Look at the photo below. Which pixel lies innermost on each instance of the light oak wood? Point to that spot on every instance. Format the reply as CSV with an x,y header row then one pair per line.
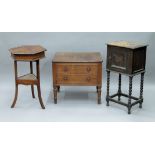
x,y
31,54
27,50
77,57
79,69
28,77
28,53
75,79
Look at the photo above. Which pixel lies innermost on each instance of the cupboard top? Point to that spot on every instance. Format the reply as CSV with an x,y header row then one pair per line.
x,y
127,44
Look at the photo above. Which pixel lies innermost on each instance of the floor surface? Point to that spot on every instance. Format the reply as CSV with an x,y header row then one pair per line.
x,y
75,104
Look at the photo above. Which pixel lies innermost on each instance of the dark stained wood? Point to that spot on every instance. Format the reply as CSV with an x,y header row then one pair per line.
x,y
139,59
31,54
79,69
126,58
127,44
58,87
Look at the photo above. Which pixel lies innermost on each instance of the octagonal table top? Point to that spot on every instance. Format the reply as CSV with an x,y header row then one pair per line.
x,y
27,50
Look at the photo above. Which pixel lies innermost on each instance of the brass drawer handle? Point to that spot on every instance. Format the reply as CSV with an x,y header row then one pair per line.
x,y
88,69
65,69
65,78
88,79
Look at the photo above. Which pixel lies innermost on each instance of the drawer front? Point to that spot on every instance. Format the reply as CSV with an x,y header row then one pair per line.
x,y
77,69
65,79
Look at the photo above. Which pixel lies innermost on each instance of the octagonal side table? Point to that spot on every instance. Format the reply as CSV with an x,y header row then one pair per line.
x,y
32,53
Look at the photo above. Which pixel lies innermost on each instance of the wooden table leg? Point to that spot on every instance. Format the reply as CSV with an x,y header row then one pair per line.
x,y
108,85
55,89
99,94
38,84
15,98
119,87
141,89
16,85
32,86
58,87
130,94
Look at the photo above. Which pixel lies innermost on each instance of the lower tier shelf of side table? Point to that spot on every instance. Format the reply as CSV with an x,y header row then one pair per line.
x,y
27,79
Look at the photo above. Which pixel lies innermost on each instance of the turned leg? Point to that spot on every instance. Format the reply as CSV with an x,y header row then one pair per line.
x,y
119,87
16,85
97,89
31,71
58,87
38,84
141,89
130,94
108,85
99,94
55,89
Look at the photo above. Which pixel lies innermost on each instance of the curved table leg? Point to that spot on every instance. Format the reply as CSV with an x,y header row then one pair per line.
x,y
38,84
15,98
32,86
16,85
39,96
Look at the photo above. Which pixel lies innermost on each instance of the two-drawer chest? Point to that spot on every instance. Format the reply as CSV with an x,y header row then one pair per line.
x,y
77,69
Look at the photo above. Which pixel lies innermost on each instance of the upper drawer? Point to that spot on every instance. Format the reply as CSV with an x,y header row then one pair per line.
x,y
77,68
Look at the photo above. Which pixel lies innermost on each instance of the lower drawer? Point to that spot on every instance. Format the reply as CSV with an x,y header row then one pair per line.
x,y
63,79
